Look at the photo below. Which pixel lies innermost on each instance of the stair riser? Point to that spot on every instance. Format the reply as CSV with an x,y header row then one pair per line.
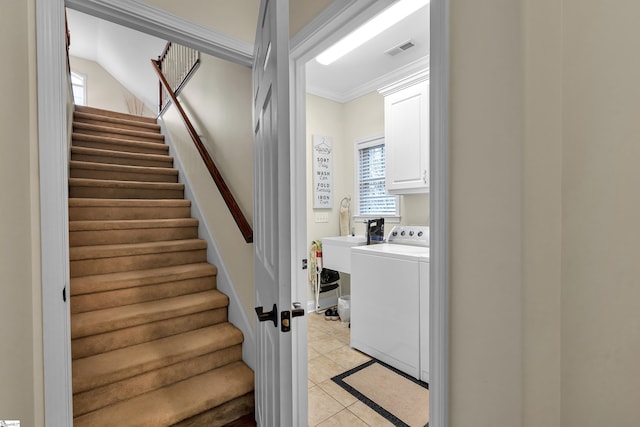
x,y
217,340
111,237
84,329
141,279
94,399
134,295
142,127
223,414
159,149
178,402
135,262
123,176
125,161
100,343
106,213
129,136
123,193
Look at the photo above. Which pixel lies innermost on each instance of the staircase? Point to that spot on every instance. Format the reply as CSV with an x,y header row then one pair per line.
x,y
151,343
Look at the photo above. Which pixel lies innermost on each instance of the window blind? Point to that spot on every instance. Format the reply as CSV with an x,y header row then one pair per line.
x,y
372,188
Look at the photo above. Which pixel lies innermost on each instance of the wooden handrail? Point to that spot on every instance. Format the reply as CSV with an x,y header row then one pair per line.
x,y
237,214
68,39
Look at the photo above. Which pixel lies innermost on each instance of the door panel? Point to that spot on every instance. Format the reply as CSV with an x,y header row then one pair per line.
x,y
272,213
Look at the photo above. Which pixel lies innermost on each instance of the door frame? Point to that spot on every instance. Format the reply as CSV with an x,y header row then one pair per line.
x,y
332,24
54,224
53,137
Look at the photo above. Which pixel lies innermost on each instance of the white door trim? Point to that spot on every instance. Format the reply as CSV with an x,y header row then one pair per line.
x,y
52,144
162,24
319,34
439,216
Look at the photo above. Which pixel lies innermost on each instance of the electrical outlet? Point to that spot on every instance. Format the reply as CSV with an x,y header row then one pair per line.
x,y
321,216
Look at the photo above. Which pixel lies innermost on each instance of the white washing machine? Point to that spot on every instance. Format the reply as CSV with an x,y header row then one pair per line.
x,y
390,300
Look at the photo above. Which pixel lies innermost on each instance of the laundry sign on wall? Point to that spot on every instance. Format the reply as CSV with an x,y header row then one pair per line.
x,y
322,169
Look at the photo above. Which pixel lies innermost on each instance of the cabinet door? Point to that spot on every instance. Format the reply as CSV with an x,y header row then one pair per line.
x,y
406,120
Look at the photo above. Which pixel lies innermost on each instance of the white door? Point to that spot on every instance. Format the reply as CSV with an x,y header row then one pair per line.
x,y
272,215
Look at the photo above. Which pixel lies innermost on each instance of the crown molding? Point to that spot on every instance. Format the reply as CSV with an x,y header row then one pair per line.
x,y
419,67
409,79
159,23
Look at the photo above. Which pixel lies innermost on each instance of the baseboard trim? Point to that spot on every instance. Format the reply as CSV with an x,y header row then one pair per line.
x,y
325,302
237,315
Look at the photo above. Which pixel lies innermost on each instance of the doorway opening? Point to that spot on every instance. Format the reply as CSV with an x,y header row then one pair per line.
x,y
318,111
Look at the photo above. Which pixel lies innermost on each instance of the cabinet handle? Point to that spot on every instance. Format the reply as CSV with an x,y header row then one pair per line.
x,y
424,176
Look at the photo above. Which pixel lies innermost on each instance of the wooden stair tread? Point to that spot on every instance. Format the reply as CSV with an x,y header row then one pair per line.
x,y
122,280
171,404
129,249
109,113
110,319
77,164
80,128
153,127
105,368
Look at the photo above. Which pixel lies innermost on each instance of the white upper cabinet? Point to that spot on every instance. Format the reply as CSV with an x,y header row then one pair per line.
x,y
406,128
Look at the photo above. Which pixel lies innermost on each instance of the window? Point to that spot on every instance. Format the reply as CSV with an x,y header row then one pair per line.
x,y
372,200
79,86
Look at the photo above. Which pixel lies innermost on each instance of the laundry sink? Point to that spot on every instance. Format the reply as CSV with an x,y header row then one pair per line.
x,y
336,251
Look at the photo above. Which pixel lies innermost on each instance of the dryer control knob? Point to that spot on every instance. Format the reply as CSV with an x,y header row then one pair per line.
x,y
403,233
420,233
411,233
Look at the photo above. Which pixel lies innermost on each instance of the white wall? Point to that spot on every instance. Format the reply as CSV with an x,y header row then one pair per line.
x,y
21,357
218,102
326,118
486,225
364,117
544,320
346,123
544,230
542,213
104,91
237,18
600,297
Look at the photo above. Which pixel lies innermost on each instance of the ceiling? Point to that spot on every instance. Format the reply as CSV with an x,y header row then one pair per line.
x,y
125,54
368,67
122,52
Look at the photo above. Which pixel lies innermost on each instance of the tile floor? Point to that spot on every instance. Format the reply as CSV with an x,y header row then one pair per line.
x,y
330,355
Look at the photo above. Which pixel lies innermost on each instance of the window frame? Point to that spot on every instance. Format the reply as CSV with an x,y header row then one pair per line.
x,y
83,77
360,144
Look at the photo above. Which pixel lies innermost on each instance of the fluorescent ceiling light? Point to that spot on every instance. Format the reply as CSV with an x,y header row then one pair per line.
x,y
390,16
